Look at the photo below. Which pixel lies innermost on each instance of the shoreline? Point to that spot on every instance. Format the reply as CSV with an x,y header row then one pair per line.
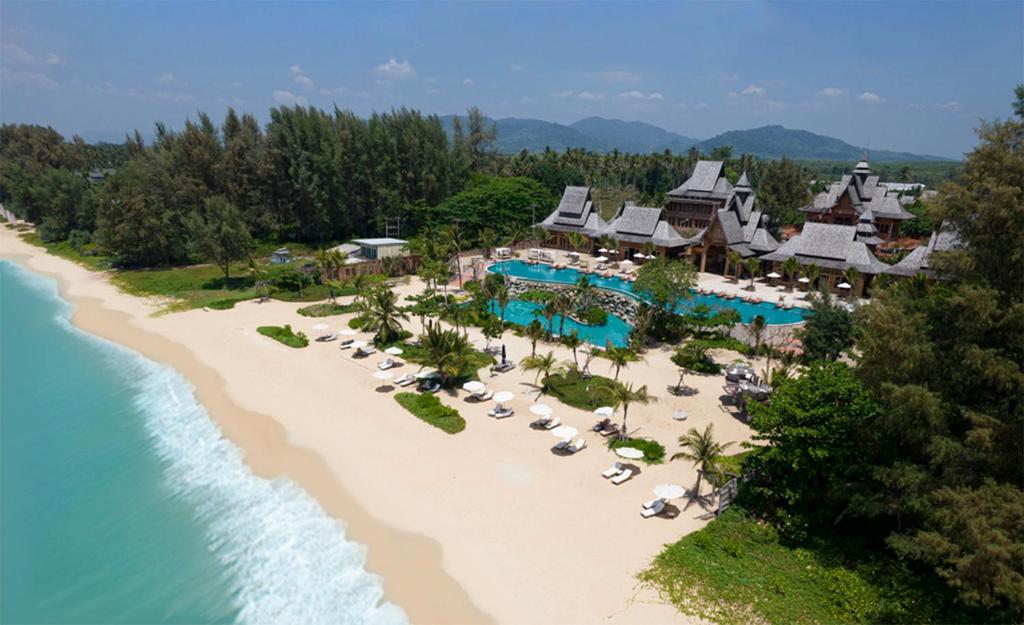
x,y
408,564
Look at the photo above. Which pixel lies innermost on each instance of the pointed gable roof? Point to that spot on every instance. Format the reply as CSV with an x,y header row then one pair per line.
x,y
707,180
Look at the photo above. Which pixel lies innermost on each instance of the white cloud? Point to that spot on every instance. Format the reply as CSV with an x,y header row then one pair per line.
x,y
684,106
516,67
305,82
433,90
640,95
754,90
288,98
38,80
396,69
615,75
833,92
339,90
167,78
175,97
13,52
467,82
564,93
952,105
296,70
870,97
587,95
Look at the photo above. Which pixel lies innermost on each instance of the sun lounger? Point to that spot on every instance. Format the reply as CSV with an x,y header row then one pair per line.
x,y
365,351
347,343
602,424
485,395
405,380
652,503
577,446
611,429
386,364
612,471
503,413
508,365
327,338
432,387
654,510
552,424
560,445
622,477
542,421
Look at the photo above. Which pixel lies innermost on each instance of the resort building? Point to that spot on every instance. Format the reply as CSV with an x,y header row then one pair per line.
x,y
834,248
693,203
942,240
576,212
638,228
845,203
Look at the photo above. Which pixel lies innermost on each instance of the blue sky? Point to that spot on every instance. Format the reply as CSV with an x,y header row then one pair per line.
x,y
909,76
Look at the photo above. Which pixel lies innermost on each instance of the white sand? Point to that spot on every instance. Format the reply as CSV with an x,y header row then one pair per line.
x,y
486,525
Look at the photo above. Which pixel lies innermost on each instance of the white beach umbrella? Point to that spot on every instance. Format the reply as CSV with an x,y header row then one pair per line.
x,y
627,262
563,432
844,285
503,396
603,250
320,327
631,453
394,351
429,373
773,275
358,344
804,280
601,259
541,410
605,411
473,386
383,375
669,491
639,255
613,251
652,256
348,332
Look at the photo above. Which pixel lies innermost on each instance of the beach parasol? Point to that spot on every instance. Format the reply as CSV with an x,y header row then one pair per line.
x,y
605,411
503,396
669,491
348,332
844,285
639,255
652,256
773,275
394,351
502,353
804,280
563,432
473,386
541,410
601,259
627,262
358,344
320,327
429,373
631,453
603,250
382,375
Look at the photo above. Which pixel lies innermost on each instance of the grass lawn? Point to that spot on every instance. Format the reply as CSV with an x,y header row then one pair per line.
x,y
327,309
284,335
64,250
430,409
579,392
734,463
654,452
737,570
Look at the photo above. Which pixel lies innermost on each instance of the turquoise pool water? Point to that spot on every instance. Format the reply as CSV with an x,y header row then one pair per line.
x,y
615,330
545,273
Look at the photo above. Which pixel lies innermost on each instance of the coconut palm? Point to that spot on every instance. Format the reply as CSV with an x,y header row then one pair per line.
x,y
501,297
535,332
812,272
735,260
447,351
622,395
488,240
620,357
577,240
391,265
383,315
563,303
757,327
549,311
754,269
573,342
791,267
852,275
585,293
702,450
545,366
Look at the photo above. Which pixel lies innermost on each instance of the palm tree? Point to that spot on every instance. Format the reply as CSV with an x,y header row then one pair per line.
x,y
852,276
360,283
549,311
544,366
757,327
620,357
534,331
812,272
501,297
390,265
448,351
735,260
328,262
791,267
754,269
585,292
453,238
702,450
383,315
488,239
577,240
563,303
623,395
573,342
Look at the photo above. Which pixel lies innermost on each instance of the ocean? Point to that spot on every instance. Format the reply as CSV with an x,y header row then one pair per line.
x,y
122,502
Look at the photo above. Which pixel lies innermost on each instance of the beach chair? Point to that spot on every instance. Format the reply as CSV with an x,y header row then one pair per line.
x,y
602,424
552,424
485,395
611,429
508,365
386,364
654,510
327,338
541,421
577,446
622,477
430,388
650,504
612,471
503,413
347,343
405,380
561,445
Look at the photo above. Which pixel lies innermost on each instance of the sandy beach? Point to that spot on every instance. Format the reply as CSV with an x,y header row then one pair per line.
x,y
485,526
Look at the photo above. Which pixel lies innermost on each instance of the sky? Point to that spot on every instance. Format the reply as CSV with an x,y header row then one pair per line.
x,y
912,76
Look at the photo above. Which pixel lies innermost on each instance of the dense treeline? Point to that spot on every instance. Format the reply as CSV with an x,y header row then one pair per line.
x,y
918,446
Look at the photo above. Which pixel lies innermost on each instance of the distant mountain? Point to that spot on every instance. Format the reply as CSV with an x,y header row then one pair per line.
x,y
633,136
774,142
604,135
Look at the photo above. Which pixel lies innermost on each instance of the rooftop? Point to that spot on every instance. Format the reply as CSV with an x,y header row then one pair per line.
x,y
379,242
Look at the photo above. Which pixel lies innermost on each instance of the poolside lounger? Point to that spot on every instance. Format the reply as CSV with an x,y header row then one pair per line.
x,y
552,424
484,396
508,365
612,471
433,387
560,445
622,477
405,380
365,351
542,421
327,338
502,414
347,343
600,425
577,446
386,364
652,503
654,510
611,429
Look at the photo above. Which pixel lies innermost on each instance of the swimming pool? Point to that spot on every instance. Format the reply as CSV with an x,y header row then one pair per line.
x,y
521,312
546,273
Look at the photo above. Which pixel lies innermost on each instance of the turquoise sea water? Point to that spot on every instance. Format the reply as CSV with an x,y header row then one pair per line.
x,y
121,502
546,273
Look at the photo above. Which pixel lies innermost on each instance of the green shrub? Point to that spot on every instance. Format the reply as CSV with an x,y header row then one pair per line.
x,y
537,297
284,335
596,316
357,322
430,409
654,452
694,357
222,304
723,342
327,309
579,392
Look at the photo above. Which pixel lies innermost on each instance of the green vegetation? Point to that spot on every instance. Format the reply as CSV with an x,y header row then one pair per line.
x,y
537,297
580,392
327,309
734,463
284,335
694,358
430,409
595,316
738,570
654,452
449,352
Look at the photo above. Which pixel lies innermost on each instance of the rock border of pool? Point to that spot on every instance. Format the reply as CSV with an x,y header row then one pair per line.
x,y
629,300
